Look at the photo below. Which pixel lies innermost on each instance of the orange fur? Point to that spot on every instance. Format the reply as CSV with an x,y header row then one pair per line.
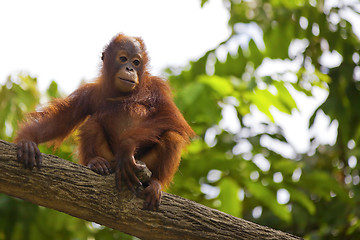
x,y
145,123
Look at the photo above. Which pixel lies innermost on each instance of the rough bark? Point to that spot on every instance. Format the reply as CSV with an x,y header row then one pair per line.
x,y
77,191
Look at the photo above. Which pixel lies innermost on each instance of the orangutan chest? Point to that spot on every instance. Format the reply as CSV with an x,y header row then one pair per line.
x,y
126,119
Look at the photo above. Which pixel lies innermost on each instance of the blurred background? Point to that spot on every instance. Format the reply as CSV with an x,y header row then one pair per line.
x,y
271,88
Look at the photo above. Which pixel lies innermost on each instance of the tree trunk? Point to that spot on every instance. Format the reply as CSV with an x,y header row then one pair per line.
x,y
78,191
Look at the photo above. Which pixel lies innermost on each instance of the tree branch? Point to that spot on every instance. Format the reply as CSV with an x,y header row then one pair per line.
x,y
78,191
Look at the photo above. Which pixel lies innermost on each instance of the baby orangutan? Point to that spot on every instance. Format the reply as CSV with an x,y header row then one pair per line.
x,y
126,114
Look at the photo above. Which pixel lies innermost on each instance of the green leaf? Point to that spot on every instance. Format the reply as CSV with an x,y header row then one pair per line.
x,y
278,39
285,96
220,85
262,103
203,2
230,202
53,91
285,166
256,55
198,100
303,199
233,66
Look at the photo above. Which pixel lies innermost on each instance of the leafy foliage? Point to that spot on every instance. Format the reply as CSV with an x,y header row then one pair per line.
x,y
242,161
310,45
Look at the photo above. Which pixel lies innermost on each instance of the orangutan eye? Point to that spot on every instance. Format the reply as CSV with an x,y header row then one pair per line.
x,y
123,59
136,62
